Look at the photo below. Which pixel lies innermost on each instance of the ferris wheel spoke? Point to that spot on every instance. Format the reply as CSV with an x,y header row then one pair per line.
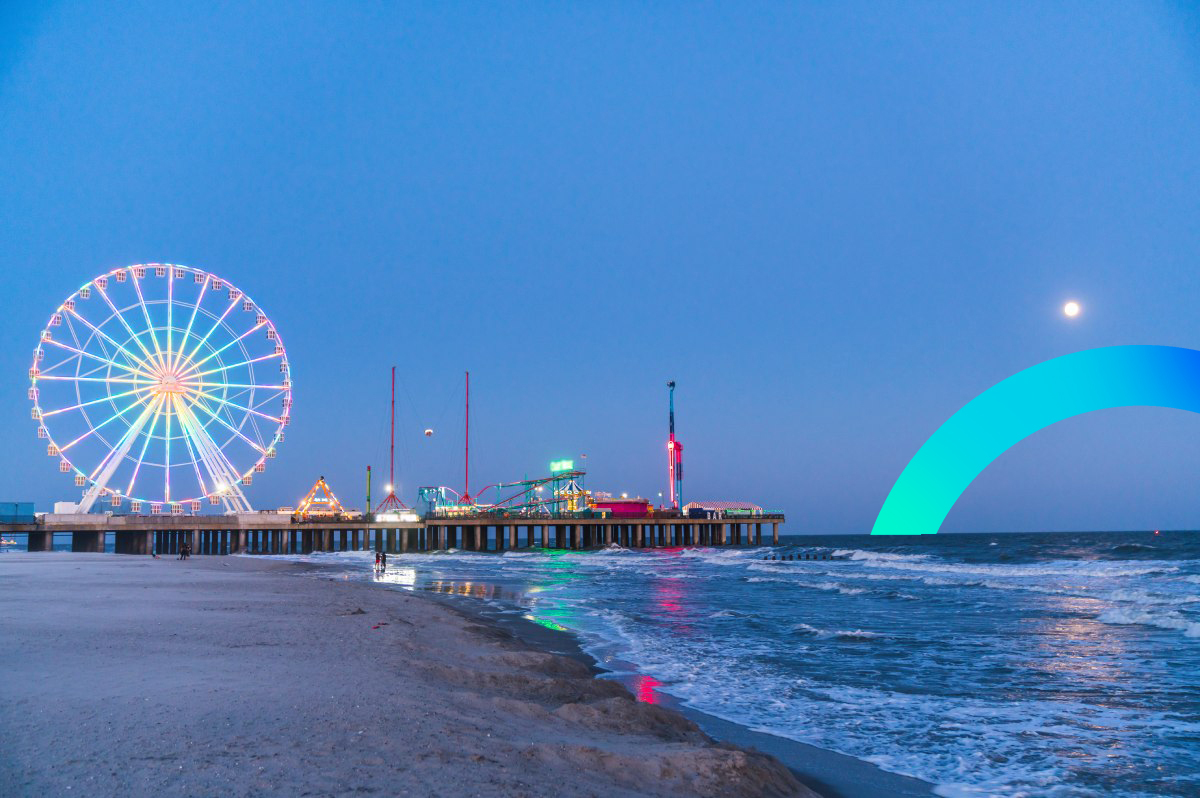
x,y
97,427
104,472
191,321
222,472
226,402
204,384
170,316
124,443
73,378
158,354
200,404
124,323
254,423
213,329
234,365
109,338
137,467
123,394
167,450
217,352
83,353
193,451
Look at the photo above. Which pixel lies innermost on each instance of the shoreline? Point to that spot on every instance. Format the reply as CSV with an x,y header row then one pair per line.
x,y
829,773
232,676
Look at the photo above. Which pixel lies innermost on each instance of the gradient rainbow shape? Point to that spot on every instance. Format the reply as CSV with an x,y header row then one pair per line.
x,y
1008,412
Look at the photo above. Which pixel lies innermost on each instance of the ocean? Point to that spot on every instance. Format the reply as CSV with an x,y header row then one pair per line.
x,y
989,665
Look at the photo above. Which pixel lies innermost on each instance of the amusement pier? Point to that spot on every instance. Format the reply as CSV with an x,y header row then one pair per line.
x,y
272,534
160,391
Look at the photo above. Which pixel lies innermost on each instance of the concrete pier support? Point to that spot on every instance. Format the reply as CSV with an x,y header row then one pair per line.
x,y
133,542
41,541
512,536
775,534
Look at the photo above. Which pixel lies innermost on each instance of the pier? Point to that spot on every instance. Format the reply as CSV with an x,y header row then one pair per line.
x,y
243,534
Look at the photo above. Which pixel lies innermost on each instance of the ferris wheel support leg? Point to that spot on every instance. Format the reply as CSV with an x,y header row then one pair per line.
x,y
114,460
216,464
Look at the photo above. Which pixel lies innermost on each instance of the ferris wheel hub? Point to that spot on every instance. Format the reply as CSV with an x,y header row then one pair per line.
x,y
168,384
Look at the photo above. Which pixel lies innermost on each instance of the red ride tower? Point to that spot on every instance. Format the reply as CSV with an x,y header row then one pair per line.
x,y
674,457
391,501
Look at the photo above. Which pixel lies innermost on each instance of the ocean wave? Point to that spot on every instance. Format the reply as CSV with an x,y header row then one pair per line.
x,y
1077,568
1135,596
879,556
1133,616
840,634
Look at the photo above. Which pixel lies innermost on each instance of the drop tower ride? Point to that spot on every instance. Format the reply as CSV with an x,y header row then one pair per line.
x,y
674,456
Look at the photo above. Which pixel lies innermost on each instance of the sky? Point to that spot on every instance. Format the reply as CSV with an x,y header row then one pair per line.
x,y
831,224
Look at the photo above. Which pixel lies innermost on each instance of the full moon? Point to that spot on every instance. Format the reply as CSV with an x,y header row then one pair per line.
x,y
1071,309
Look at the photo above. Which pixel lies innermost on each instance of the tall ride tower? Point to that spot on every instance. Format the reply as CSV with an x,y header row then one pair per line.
x,y
391,501
674,457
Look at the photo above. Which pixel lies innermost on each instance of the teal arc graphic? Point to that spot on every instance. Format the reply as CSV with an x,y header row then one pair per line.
x,y
1014,409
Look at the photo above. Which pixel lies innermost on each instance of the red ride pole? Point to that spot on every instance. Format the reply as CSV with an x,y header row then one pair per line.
x,y
392,450
467,447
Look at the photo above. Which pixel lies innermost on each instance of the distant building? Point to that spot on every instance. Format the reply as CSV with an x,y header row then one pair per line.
x,y
721,509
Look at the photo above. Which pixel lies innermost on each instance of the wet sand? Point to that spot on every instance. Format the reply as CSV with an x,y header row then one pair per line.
x,y
233,676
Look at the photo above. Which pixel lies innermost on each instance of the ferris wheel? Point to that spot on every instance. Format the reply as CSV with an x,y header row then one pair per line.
x,y
161,385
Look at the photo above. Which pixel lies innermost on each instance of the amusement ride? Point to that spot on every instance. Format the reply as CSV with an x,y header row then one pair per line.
x,y
163,386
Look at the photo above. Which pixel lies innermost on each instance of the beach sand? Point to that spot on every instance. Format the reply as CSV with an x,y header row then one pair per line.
x,y
231,676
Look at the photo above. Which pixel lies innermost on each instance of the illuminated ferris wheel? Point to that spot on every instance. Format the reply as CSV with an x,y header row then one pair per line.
x,y
163,386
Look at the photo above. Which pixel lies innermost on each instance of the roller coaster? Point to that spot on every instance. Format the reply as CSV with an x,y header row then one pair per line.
x,y
560,494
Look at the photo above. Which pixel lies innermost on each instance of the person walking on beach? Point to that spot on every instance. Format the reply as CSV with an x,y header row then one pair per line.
x,y
376,561
383,560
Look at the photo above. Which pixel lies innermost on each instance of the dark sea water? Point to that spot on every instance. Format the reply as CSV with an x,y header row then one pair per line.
x,y
1007,665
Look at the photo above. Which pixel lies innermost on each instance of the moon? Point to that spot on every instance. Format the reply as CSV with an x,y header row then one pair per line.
x,y
1071,309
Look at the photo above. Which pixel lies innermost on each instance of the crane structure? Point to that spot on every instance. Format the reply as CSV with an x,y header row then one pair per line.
x,y
674,456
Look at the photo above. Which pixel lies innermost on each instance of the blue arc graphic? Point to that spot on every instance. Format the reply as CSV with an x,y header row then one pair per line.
x,y
1012,410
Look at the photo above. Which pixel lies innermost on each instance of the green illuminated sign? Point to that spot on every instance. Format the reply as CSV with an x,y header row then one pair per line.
x,y
562,465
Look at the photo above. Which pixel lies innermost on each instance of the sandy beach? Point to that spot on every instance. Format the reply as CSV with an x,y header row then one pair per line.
x,y
232,676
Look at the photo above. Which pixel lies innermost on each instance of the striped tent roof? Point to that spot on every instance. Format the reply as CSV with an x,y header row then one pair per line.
x,y
722,506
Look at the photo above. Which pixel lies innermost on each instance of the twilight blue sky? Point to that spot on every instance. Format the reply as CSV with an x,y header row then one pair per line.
x,y
832,224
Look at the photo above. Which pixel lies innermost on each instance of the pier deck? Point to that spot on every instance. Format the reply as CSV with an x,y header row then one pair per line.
x,y
245,534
